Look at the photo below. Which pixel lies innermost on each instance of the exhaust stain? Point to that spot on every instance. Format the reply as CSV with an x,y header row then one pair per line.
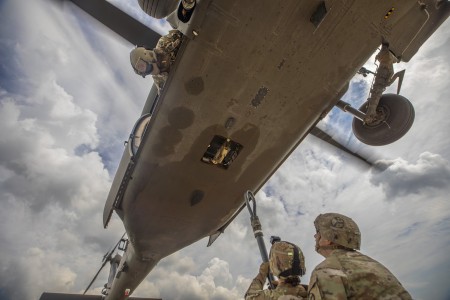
x,y
194,86
181,117
196,197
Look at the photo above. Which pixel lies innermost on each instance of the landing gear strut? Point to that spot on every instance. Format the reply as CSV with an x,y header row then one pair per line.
x,y
383,118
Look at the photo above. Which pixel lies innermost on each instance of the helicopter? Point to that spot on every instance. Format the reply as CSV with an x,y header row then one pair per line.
x,y
243,93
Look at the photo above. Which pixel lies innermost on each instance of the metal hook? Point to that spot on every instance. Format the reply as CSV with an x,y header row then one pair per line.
x,y
250,197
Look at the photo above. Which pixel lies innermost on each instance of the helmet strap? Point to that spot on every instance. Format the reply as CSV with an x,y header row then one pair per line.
x,y
295,270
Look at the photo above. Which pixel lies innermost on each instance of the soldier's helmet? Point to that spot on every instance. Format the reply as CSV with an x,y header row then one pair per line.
x,y
339,229
286,259
143,61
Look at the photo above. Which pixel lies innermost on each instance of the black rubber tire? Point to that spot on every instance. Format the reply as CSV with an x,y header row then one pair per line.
x,y
158,9
399,117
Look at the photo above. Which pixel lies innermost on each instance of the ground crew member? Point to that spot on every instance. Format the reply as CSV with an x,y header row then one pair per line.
x,y
346,273
286,261
157,61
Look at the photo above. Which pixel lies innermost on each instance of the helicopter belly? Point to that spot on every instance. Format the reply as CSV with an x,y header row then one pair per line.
x,y
241,96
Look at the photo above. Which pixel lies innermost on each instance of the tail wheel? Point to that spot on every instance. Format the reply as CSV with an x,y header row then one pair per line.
x,y
395,116
158,8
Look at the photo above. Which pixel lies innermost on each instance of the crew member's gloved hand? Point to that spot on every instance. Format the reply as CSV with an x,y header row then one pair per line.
x,y
263,272
264,269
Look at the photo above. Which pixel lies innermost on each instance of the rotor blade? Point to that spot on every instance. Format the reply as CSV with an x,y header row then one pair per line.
x,y
118,21
109,253
106,258
61,296
319,133
95,277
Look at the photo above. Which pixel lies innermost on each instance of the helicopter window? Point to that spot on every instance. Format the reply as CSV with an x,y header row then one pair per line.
x,y
137,134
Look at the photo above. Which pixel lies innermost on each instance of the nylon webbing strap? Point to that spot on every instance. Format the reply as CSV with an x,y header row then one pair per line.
x,y
295,270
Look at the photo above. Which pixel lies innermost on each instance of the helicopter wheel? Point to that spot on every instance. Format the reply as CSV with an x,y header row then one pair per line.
x,y
395,116
158,8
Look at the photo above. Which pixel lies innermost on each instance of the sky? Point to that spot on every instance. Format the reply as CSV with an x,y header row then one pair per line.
x,y
68,100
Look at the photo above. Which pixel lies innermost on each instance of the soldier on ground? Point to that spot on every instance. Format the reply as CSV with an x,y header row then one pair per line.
x,y
346,273
157,61
286,261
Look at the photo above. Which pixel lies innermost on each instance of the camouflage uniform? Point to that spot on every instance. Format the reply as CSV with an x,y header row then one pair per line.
x,y
286,263
346,273
166,53
167,48
157,62
256,291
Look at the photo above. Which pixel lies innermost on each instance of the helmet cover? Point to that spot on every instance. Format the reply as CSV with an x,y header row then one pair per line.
x,y
286,260
143,61
339,229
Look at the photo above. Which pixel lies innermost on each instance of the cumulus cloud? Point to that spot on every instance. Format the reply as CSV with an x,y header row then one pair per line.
x,y
39,151
169,281
68,99
400,178
27,271
53,180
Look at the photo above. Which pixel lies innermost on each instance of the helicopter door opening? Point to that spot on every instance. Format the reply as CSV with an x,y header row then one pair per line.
x,y
221,152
